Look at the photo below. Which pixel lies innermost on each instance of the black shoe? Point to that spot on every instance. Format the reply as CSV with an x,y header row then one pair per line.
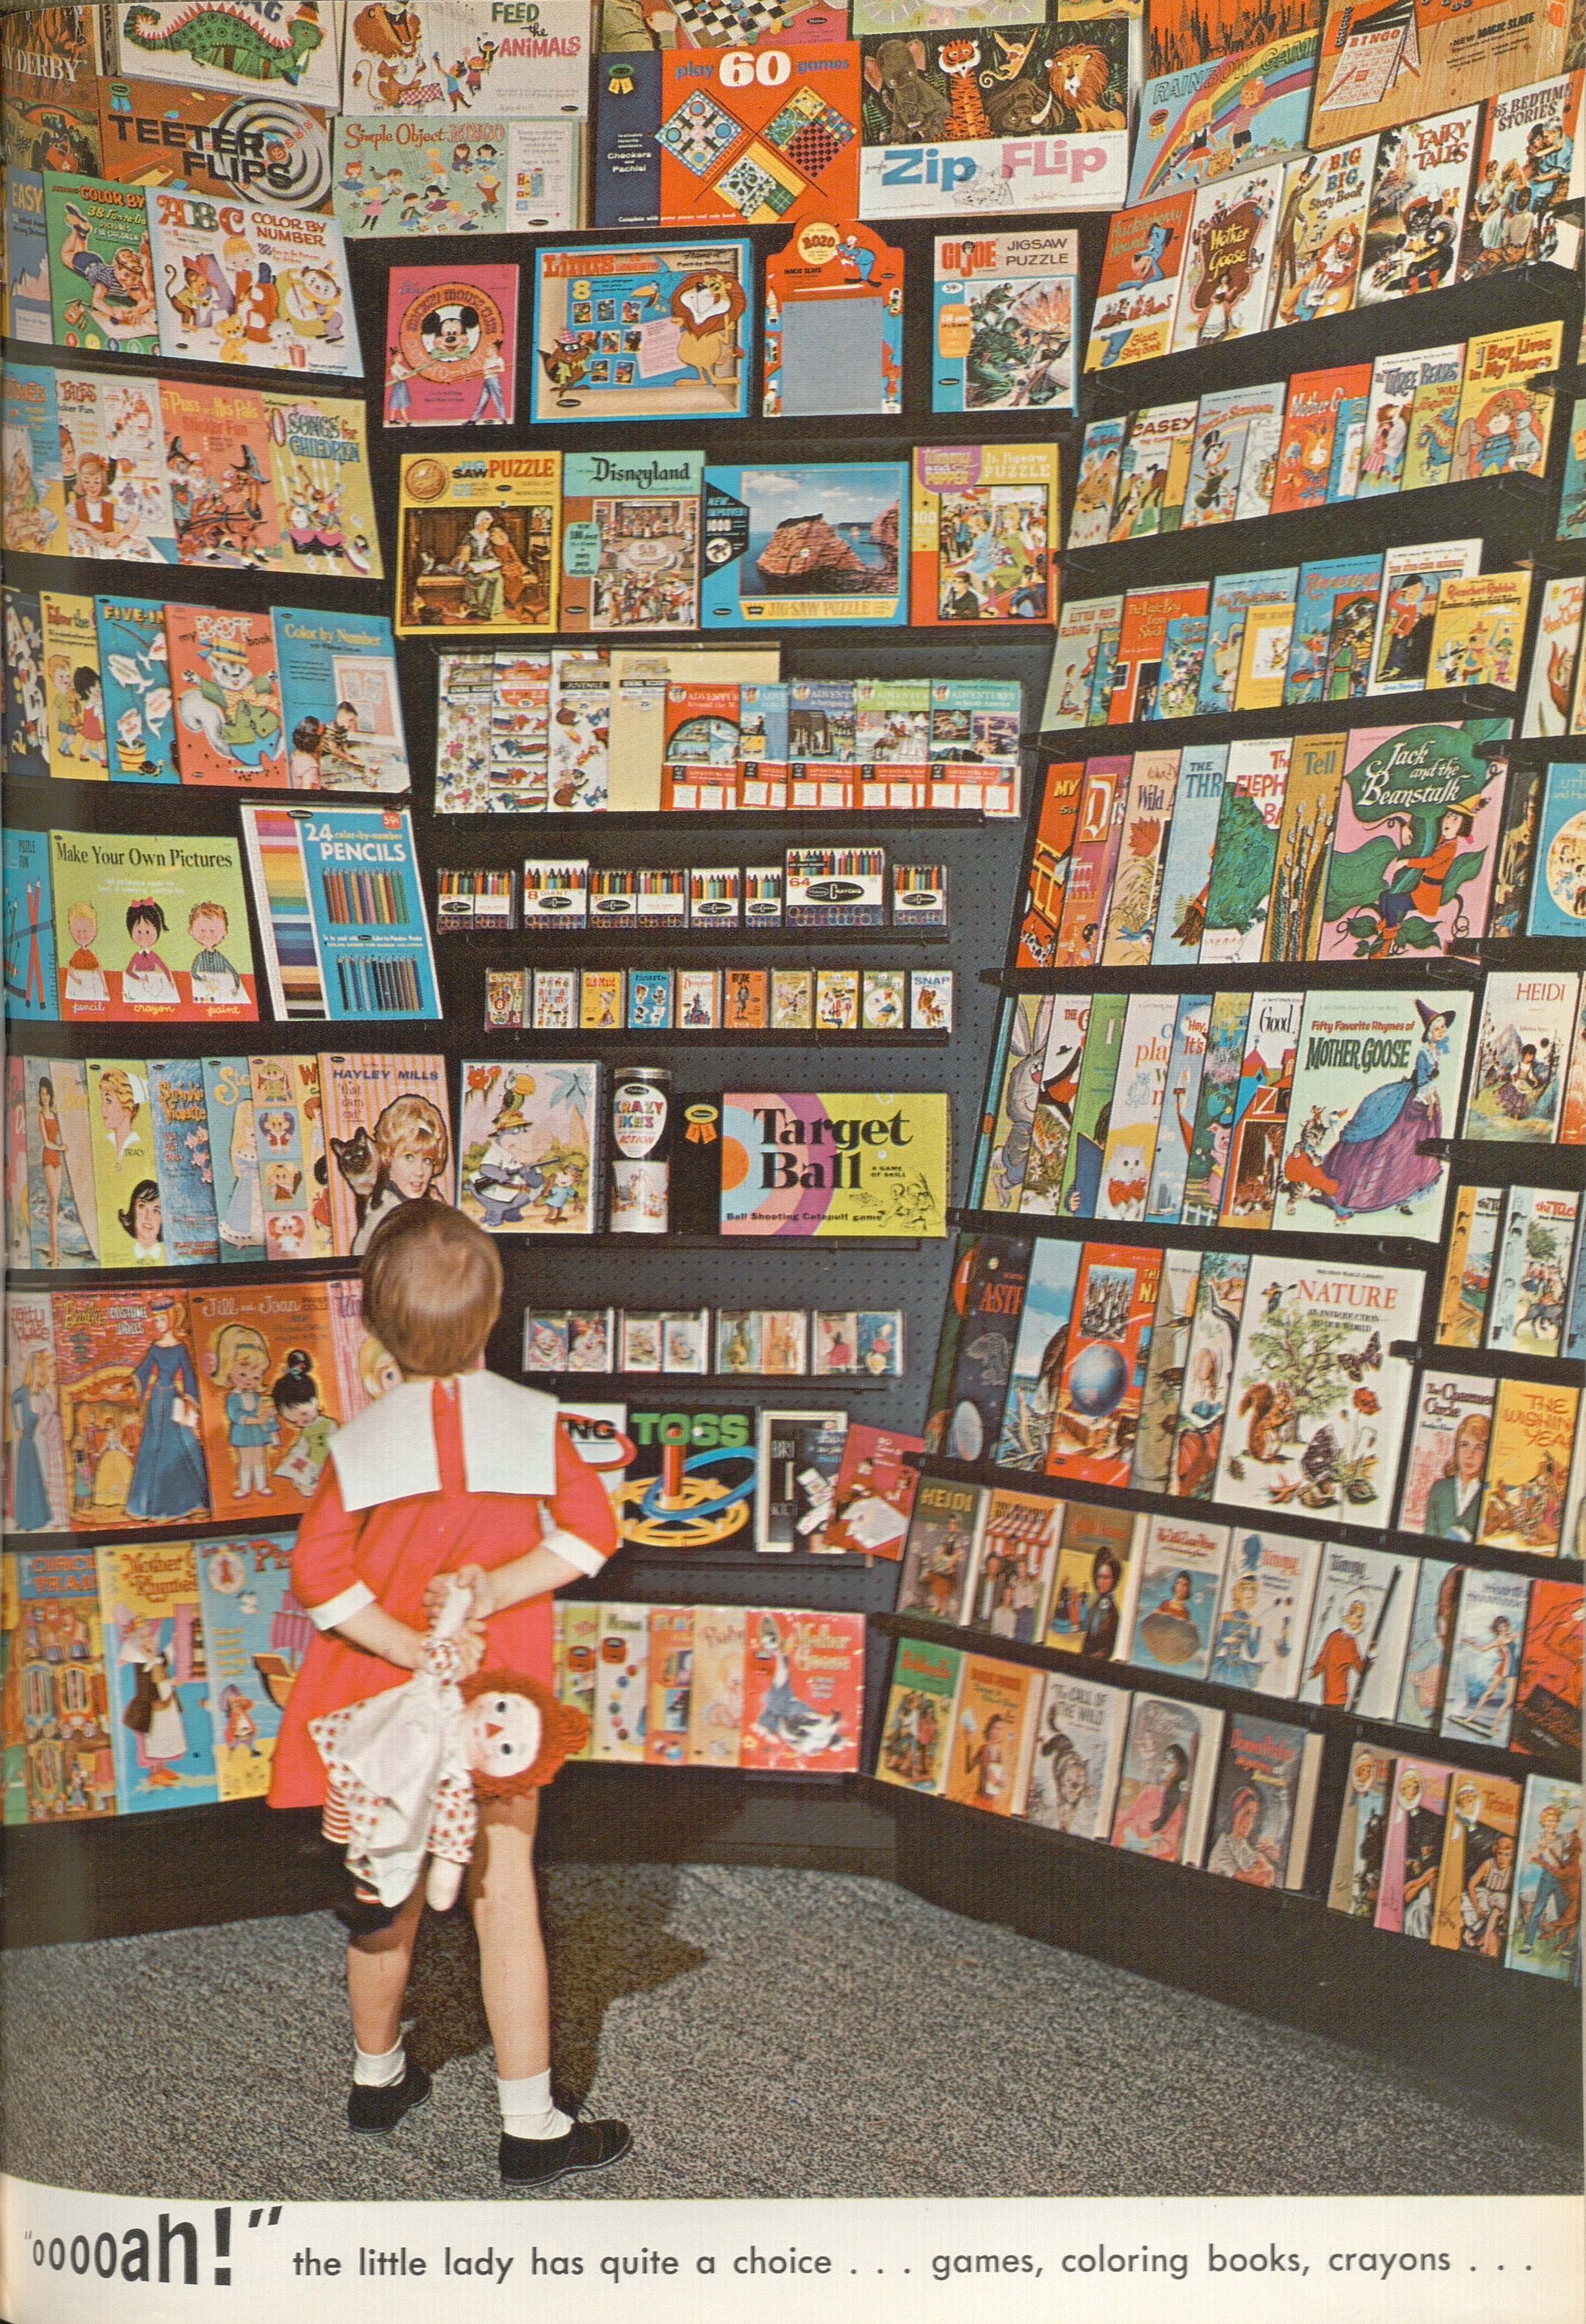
x,y
376,2113
587,2146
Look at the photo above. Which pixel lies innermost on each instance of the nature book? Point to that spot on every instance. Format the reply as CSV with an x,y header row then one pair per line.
x,y
1547,1709
1407,613
387,1136
1092,1106
320,467
58,1222
1416,209
1441,1493
985,522
1545,1933
1186,1060
1138,657
939,1557
1015,1568
1082,626
529,1148
1136,296
1245,857
451,346
1360,1627
184,1171
1079,1748
226,686
1181,1579
1504,425
1005,322
1136,884
36,1496
340,703
1228,259
1304,841
341,913
1306,1424
1030,1369
1412,1844
1268,1588
64,1764
126,1189
1264,1802
1165,1783
1475,1885
1416,841
1320,232
918,1726
129,908
1047,875
1467,1277
158,1676
1234,426
715,1695
134,677
631,541
1154,471
1096,1581
1531,1279
1480,632
1362,1829
992,1305
1186,865
803,1692
74,701
1098,1396
255,1636
270,1396
993,1734
266,287
1095,487
1152,1464
1222,1080
1233,597
1366,1099
1550,688
478,550
1522,1051
1136,1111
1484,1665
103,288
803,544
129,1408
1528,1466
1092,859
1310,426
1558,894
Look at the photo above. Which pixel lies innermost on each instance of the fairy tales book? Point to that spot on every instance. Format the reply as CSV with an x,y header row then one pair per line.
x,y
478,542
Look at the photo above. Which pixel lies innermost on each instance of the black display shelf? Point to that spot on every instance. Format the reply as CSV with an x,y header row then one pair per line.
x,y
1246,976
1433,705
1398,1250
641,937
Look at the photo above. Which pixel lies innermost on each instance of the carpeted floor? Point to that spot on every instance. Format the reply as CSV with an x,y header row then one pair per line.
x,y
766,2032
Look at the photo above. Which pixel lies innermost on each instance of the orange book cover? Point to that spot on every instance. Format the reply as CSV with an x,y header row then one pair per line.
x,y
270,1393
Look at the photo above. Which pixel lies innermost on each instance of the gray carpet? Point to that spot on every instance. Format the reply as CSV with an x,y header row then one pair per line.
x,y
766,2033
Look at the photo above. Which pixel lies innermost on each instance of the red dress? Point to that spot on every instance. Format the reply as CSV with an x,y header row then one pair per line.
x,y
395,1550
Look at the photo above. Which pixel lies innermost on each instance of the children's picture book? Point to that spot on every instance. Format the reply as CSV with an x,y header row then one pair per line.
x,y
1558,894
340,702
1550,689
1092,1105
1441,1494
1394,380
320,469
1355,1650
1477,636
122,903
1305,840
985,533
1429,456
1098,1396
1079,1748
1233,462
803,1692
113,473
1525,1315
1136,883
1547,1710
1362,1829
37,1494
1312,418
1165,1783
217,459
797,544
810,1163
917,1725
269,1395
716,1693
528,1148
1429,1644
1207,1369
1187,867
255,286
158,1676
993,1734
873,1492
1318,1403
1217,1109
1484,1665
1234,596
1266,1798
1407,613
833,324
1522,1052
1005,322
1320,232
1544,1931
479,546
1233,103
657,333
1416,841
1228,262
1181,1581
1031,1372
1096,1581
1528,1466
1154,471
1504,425
129,1408
1140,657
1572,517
59,1227
255,1636
1093,858
341,914
102,273
1136,1110
1268,1584
135,677
1524,178
226,688
26,245
1095,490
74,703
1137,298
976,1389
451,346
939,1557
1467,1277
1245,856
1366,1100
1152,1463
1417,204
26,725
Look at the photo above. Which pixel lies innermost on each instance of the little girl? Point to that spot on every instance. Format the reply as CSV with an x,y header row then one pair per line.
x,y
454,1471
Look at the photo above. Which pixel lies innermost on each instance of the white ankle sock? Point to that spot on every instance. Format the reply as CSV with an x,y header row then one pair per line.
x,y
379,2070
527,2110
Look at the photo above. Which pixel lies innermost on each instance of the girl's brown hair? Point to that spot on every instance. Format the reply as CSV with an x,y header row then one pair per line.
x,y
431,1289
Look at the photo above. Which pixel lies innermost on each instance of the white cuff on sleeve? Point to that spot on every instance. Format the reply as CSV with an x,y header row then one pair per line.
x,y
574,1549
336,1610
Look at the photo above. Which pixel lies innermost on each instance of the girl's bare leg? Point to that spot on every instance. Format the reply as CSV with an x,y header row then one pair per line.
x,y
512,1974
377,1978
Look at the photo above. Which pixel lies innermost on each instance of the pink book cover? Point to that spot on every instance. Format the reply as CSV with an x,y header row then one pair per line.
x,y
451,346
1416,843
1412,1848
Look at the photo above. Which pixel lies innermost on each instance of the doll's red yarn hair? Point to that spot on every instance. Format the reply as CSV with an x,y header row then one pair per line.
x,y
562,1732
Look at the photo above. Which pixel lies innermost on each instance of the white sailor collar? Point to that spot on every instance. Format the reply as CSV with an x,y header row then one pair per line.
x,y
388,1453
